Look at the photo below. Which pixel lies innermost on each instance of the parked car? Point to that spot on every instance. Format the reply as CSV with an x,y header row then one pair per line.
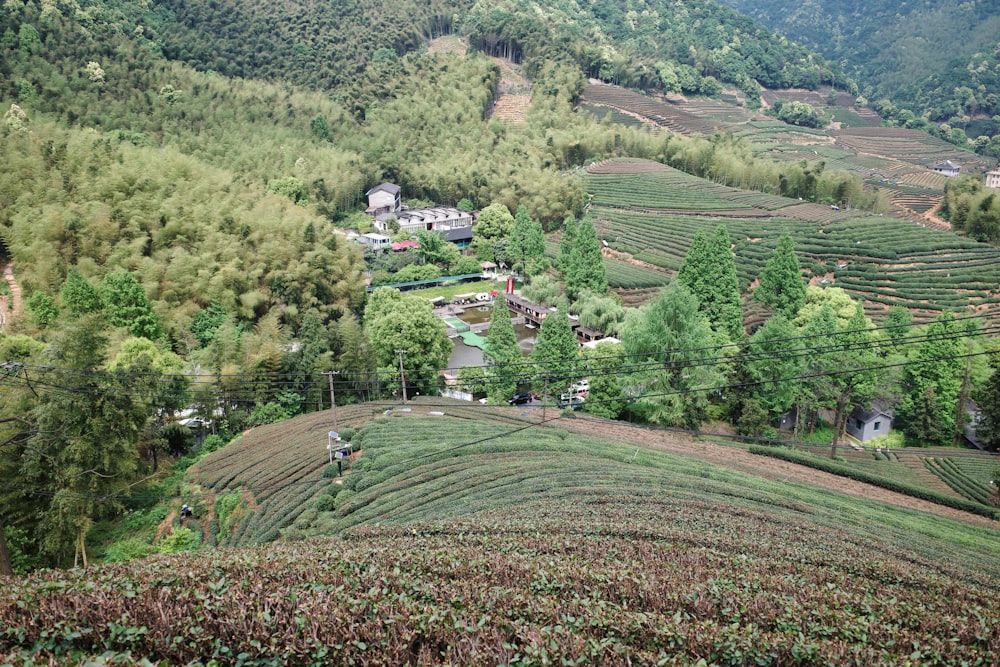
x,y
570,400
522,397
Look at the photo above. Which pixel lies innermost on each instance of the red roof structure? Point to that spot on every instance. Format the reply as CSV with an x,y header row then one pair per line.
x,y
404,245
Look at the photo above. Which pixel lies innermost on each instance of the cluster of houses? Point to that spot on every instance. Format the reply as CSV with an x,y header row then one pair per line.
x,y
386,207
952,170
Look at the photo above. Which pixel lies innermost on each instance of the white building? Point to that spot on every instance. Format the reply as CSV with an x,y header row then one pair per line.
x,y
947,168
384,202
993,179
375,241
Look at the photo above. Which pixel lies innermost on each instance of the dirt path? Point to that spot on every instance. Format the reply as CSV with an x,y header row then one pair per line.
x,y
932,217
10,304
769,468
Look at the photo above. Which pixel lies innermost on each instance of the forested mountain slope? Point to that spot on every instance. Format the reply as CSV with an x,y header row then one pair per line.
x,y
650,44
936,56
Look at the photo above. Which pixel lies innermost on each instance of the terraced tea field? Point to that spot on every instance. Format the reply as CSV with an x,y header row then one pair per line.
x,y
657,110
911,146
279,466
471,535
882,260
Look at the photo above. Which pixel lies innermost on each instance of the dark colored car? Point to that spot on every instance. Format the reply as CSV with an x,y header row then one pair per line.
x,y
521,397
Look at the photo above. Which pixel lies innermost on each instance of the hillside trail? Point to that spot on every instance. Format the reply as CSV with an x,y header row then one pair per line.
x,y
11,304
754,464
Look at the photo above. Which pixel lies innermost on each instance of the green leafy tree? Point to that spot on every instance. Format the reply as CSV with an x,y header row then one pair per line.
x,y
84,451
43,309
290,187
781,286
502,355
856,355
603,312
555,353
162,391
840,303
473,379
933,383
988,399
435,250
494,225
207,321
394,322
667,340
78,295
128,306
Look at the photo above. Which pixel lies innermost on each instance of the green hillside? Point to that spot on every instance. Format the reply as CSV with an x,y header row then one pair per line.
x,y
467,535
935,57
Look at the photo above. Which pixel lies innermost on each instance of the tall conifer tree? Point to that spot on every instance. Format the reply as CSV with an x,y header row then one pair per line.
x,y
555,354
781,286
503,355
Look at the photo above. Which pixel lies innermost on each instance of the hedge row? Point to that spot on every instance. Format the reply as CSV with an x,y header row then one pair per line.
x,y
835,468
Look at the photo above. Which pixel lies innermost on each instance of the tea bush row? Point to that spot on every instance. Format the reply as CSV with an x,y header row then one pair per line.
x,y
876,480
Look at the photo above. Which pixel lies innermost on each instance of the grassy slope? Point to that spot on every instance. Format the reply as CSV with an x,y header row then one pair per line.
x,y
476,537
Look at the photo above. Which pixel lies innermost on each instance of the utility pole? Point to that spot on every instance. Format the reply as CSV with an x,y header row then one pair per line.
x,y
333,398
402,375
545,394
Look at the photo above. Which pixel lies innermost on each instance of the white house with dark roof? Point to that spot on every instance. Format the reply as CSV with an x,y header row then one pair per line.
x,y
384,199
947,168
451,223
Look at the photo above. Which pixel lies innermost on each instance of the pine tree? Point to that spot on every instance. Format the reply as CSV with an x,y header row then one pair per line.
x,y
84,453
781,286
694,270
527,242
724,308
588,263
503,355
775,361
555,354
709,272
566,260
988,399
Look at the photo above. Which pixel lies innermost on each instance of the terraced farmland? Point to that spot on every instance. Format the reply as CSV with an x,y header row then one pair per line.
x,y
279,467
656,109
883,260
905,145
470,535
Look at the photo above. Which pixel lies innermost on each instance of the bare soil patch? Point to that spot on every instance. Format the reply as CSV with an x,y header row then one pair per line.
x,y
449,44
